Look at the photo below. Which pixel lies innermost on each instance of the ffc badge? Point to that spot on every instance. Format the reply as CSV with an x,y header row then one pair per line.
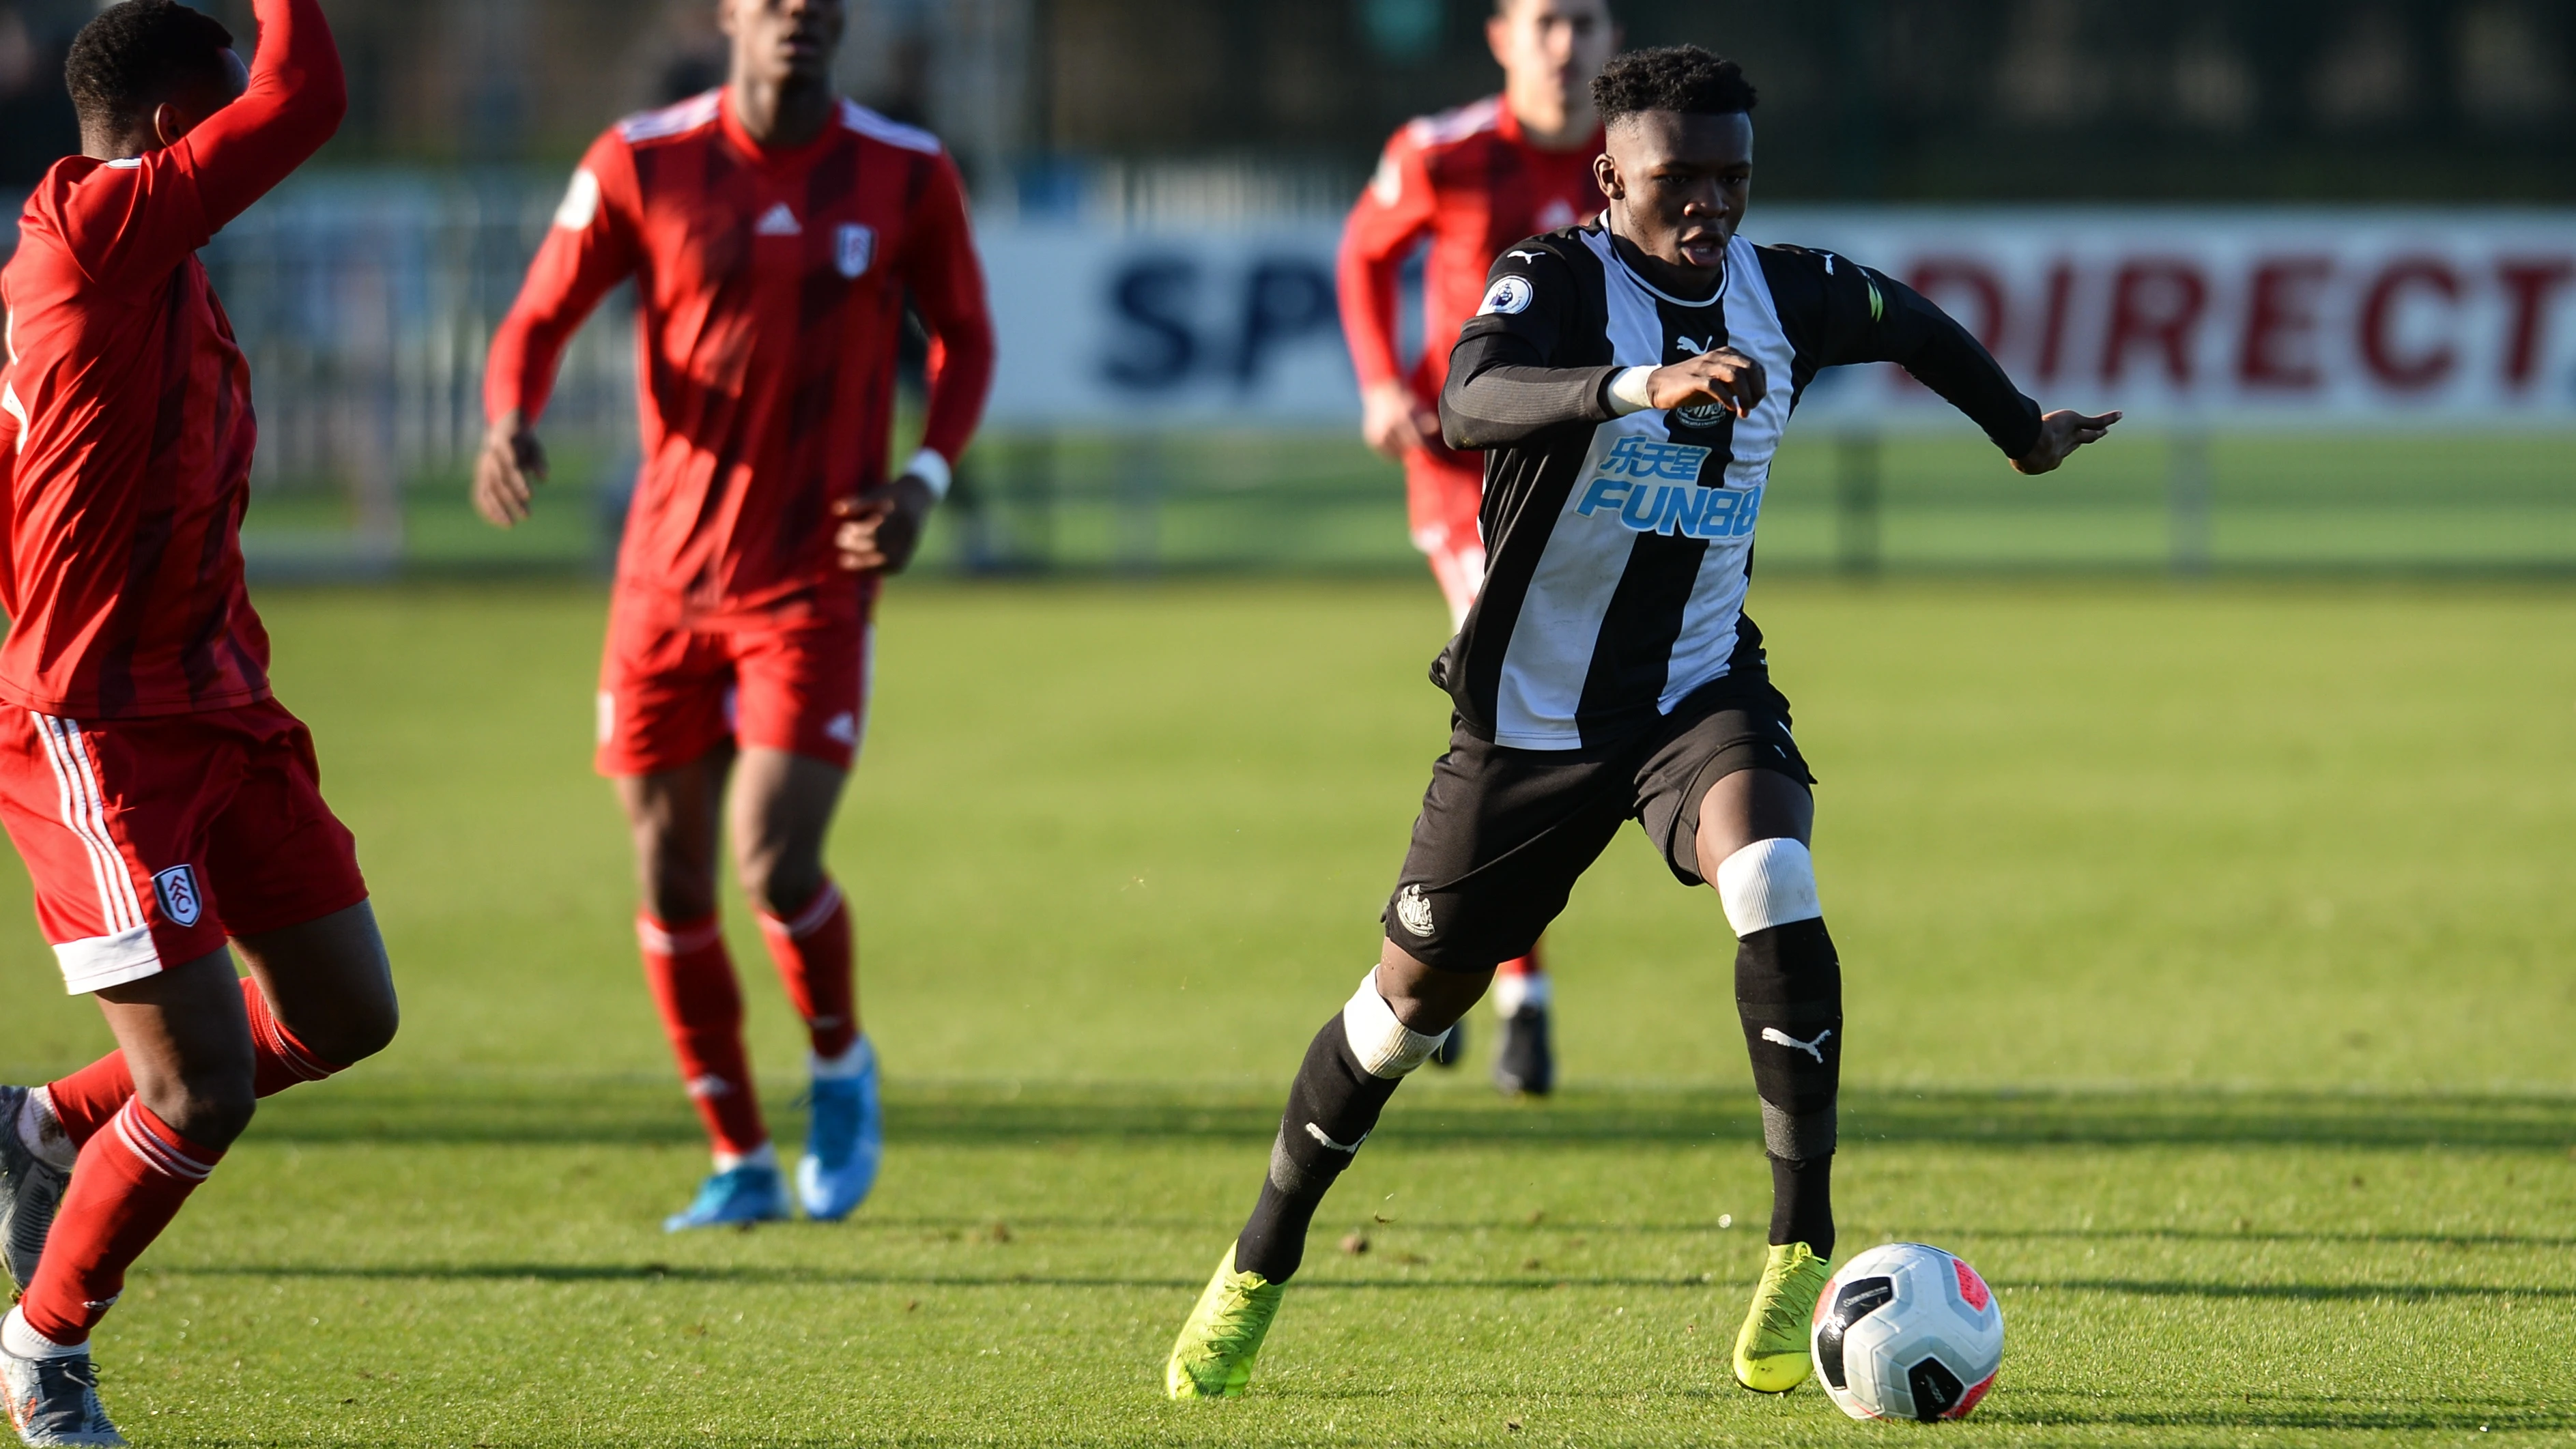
x,y
177,889
853,247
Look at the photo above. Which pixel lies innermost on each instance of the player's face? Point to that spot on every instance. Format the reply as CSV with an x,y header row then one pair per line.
x,y
1679,183
1559,44
782,40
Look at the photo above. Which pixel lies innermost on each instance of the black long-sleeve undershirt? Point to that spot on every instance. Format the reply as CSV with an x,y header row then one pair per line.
x,y
1501,391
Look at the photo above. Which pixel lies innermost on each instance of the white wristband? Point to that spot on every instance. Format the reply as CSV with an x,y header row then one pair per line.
x,y
1628,392
932,469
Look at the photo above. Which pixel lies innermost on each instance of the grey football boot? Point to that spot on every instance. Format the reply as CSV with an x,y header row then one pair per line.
x,y
54,1401
30,1189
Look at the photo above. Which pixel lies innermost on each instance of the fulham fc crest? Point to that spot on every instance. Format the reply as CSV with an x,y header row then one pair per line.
x,y
853,247
177,888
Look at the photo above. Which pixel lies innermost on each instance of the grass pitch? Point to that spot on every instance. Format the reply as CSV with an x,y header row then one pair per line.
x,y
2207,962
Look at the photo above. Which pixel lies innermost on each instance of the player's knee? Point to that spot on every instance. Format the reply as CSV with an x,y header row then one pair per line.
x,y
1768,883
364,1030
1384,1045
208,1107
779,883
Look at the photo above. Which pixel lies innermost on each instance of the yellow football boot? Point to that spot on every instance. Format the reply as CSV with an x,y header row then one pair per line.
x,y
1212,1359
1771,1355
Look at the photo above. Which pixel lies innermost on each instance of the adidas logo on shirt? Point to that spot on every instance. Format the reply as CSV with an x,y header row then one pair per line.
x,y
777,221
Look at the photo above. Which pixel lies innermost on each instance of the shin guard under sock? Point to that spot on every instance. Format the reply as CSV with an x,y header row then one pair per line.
x,y
1332,1107
1789,995
701,1004
1352,1067
84,1101
817,964
130,1182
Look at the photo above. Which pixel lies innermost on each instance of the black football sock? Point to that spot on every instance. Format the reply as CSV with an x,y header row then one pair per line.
x,y
1332,1108
1789,994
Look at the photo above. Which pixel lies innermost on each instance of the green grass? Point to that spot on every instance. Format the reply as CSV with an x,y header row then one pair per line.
x,y
2207,957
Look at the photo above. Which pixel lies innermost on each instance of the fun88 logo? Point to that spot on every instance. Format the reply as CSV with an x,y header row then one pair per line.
x,y
1625,483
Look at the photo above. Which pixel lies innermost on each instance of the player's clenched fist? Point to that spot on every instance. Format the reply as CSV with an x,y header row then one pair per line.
x,y
1720,375
879,529
506,470
2061,433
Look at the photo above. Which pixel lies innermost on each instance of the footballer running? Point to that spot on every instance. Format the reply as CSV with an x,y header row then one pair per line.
x,y
168,808
774,231
1471,182
1629,381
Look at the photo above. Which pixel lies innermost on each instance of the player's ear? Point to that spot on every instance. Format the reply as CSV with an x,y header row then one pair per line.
x,y
169,123
1605,174
1498,38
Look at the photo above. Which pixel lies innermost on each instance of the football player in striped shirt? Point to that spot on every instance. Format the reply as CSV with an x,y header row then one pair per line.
x,y
774,231
163,800
1629,382
1470,182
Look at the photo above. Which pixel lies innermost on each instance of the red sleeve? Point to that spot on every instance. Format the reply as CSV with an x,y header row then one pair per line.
x,y
591,247
130,222
947,282
1391,217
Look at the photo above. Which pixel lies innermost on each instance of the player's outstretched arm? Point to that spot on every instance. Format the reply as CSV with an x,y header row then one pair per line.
x,y
1390,218
294,103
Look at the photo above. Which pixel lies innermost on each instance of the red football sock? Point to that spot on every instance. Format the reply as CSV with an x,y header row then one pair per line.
x,y
1521,965
127,1187
816,961
85,1100
693,983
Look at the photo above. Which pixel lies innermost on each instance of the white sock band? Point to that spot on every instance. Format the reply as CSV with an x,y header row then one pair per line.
x,y
1768,883
765,1155
1514,990
23,1341
852,1063
1384,1045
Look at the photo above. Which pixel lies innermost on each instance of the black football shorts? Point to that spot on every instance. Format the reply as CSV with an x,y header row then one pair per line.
x,y
1504,833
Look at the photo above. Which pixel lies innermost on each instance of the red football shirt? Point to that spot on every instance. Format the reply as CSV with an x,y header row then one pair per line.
x,y
125,411
1471,181
771,287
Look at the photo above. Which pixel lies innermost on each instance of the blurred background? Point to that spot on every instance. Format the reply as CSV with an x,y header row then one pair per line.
x,y
2324,250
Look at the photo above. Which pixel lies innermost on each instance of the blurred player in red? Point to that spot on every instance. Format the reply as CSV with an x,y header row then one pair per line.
x,y
163,801
1471,182
774,231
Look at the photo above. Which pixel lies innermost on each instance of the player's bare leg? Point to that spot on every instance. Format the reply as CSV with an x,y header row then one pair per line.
x,y
1754,826
320,996
196,1048
782,812
674,816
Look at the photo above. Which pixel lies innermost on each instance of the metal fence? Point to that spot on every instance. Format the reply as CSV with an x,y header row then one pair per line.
x,y
365,304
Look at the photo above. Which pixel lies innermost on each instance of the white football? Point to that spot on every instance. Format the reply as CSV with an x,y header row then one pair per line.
x,y
1907,1332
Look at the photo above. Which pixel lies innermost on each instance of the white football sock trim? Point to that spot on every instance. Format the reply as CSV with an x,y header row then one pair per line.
x,y
851,1063
1514,990
1385,1046
1768,883
23,1341
765,1155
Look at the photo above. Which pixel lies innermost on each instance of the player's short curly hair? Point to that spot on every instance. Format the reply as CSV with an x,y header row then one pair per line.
x,y
139,53
1670,78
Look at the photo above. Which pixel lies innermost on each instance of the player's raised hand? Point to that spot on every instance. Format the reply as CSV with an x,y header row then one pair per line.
x,y
2061,433
507,470
1720,375
878,530
1393,423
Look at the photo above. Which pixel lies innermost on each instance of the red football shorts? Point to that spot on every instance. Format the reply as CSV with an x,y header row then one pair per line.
x,y
1443,493
152,840
669,693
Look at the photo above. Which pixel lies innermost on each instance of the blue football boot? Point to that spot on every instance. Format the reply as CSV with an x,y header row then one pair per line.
x,y
844,1141
738,1196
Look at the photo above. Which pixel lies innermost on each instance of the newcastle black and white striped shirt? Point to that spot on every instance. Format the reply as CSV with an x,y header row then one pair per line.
x,y
1619,544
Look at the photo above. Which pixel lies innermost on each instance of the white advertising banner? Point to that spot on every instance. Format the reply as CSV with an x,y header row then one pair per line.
x,y
2426,318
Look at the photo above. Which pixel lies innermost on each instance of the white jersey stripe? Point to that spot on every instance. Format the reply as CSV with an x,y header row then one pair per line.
x,y
77,788
1712,619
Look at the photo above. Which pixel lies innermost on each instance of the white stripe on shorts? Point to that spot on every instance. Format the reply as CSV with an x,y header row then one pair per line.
x,y
76,781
